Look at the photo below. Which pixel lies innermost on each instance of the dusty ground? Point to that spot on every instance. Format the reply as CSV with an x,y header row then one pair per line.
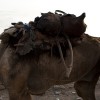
x,y
64,92
61,92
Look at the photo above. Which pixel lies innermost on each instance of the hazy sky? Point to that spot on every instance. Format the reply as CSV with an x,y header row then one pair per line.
x,y
26,10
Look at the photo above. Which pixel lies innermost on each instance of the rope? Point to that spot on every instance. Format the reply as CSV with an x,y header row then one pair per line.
x,y
60,12
68,68
71,50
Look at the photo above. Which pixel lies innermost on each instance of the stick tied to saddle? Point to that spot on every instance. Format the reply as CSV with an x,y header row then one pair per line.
x,y
68,68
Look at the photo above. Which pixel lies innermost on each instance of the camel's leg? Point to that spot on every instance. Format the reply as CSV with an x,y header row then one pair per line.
x,y
14,74
17,86
19,95
18,91
85,88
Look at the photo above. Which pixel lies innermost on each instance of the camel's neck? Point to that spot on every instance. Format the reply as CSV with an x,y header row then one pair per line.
x,y
3,48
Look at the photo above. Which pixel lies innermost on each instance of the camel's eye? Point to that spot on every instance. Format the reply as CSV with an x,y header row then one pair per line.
x,y
46,19
26,30
14,33
69,15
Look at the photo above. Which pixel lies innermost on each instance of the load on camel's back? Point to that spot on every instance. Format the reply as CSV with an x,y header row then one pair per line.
x,y
49,23
56,24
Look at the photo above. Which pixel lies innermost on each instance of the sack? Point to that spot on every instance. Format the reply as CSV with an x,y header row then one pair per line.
x,y
73,26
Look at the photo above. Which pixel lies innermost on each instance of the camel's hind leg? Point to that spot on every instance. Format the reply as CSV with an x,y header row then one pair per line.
x,y
85,88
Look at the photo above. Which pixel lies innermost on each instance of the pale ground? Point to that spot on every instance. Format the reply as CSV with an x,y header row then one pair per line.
x,y
61,92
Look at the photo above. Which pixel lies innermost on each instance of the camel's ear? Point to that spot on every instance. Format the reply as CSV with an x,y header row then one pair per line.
x,y
42,14
13,23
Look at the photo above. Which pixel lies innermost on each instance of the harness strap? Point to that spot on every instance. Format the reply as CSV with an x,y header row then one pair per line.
x,y
71,52
68,68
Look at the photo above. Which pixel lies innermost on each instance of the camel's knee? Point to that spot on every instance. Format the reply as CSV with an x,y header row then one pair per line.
x,y
85,90
21,95
81,88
